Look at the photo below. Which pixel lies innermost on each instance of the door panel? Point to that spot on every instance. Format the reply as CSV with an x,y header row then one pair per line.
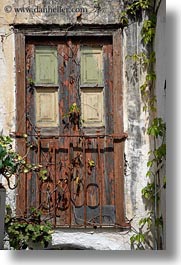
x,y
46,65
70,125
92,103
91,66
46,105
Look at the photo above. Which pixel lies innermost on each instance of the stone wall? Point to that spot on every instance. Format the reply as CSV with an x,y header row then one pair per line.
x,y
137,145
60,11
82,12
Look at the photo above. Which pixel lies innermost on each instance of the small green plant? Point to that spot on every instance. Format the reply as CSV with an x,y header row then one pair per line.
x,y
148,30
23,231
12,164
97,4
31,85
145,62
91,164
140,239
74,117
157,128
151,192
31,82
134,10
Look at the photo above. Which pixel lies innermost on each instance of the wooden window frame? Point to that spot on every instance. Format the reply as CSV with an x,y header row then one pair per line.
x,y
20,41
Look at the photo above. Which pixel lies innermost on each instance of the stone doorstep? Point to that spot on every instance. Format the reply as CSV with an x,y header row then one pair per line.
x,y
90,240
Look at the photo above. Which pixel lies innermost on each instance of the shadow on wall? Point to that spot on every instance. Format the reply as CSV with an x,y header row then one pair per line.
x,y
68,247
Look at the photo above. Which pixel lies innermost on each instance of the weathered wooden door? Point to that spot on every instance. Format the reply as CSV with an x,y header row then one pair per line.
x,y
74,127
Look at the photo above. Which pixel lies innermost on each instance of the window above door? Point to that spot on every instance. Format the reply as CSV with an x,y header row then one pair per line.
x,y
92,86
46,65
46,87
91,66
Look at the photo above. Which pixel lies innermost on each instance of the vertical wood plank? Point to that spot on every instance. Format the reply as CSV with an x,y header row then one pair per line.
x,y
118,127
108,83
109,181
21,200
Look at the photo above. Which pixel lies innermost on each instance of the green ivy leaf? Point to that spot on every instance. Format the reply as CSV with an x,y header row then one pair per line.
x,y
164,182
1,164
149,173
150,163
26,170
43,175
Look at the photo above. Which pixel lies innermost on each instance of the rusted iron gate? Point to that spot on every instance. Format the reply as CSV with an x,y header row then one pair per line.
x,y
79,189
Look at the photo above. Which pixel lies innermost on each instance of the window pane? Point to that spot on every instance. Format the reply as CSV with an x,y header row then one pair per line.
x,y
46,65
91,66
46,107
92,107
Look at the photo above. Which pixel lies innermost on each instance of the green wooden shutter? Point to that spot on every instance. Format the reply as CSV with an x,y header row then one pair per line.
x,y
91,66
46,65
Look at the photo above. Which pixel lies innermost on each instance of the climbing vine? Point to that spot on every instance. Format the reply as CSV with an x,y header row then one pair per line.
x,y
74,117
150,227
12,165
22,230
153,222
